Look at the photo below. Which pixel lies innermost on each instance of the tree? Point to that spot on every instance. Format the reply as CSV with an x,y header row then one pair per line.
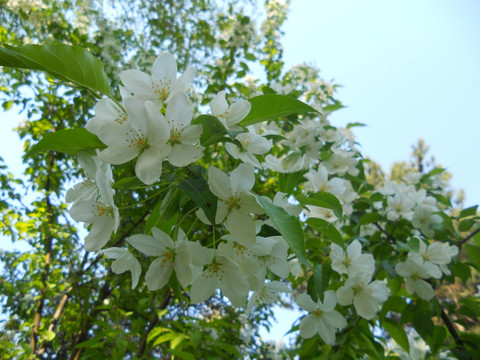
x,y
200,218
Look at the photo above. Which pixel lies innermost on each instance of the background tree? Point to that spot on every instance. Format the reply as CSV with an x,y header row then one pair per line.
x,y
64,302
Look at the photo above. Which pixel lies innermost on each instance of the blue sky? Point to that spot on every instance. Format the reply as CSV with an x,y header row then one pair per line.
x,y
409,69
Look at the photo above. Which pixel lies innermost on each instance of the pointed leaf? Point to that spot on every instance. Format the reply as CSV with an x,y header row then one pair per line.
x,y
288,226
197,189
213,129
69,141
273,107
64,62
397,332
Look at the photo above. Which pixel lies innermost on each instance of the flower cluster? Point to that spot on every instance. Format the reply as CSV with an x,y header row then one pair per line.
x,y
244,248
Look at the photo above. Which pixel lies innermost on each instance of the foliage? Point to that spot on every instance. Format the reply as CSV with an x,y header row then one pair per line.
x,y
259,199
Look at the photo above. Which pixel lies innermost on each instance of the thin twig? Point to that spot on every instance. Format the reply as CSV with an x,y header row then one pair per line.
x,y
389,236
461,242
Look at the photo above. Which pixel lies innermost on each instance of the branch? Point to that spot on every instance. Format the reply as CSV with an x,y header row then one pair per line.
x,y
461,242
452,330
152,324
56,316
389,236
37,317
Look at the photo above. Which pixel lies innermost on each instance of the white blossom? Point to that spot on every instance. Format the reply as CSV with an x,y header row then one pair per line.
x,y
323,318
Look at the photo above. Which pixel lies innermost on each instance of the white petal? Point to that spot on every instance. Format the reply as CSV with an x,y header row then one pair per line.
x,y
365,306
237,112
308,326
165,68
149,165
335,319
118,154
424,289
183,272
179,111
219,183
146,244
306,303
184,81
114,252
191,134
329,300
139,83
202,288
158,130
354,249
219,104
99,233
183,154
345,295
242,228
162,238
158,274
326,332
243,178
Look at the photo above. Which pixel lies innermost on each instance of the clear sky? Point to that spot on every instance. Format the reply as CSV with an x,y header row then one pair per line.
x,y
409,69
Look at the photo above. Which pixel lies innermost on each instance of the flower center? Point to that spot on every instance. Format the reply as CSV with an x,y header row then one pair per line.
x,y
137,140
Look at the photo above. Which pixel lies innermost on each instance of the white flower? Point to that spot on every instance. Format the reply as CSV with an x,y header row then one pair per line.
x,y
399,206
271,254
352,262
282,200
162,84
424,217
293,162
88,188
318,181
323,319
367,296
145,135
230,116
224,274
267,294
106,112
170,256
320,213
93,204
342,162
414,273
236,201
124,261
252,145
183,135
437,253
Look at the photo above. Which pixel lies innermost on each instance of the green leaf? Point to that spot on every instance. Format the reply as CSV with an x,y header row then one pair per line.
x,y
288,182
326,229
213,129
288,226
318,282
170,204
466,225
471,211
397,332
67,63
369,218
333,107
473,253
69,141
355,124
323,199
274,107
197,189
